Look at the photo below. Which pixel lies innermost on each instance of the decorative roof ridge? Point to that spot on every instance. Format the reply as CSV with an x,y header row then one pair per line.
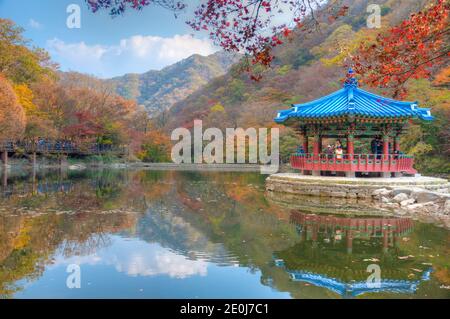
x,y
350,81
350,97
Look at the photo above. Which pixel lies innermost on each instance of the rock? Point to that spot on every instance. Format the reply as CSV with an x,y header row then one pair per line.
x,y
414,207
447,207
381,192
407,202
339,194
76,167
397,191
425,196
431,207
400,197
378,192
401,212
385,200
390,205
118,165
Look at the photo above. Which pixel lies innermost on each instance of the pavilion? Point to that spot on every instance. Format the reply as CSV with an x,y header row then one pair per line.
x,y
351,114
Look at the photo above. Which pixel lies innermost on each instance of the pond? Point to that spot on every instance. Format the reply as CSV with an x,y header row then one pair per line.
x,y
146,234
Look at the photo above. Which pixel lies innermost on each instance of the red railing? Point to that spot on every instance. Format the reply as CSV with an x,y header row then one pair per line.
x,y
354,163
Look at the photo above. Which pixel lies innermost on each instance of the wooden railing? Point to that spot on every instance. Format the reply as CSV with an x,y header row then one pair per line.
x,y
354,163
62,147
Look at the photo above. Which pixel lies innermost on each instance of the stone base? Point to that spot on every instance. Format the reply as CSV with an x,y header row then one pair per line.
x,y
424,198
347,187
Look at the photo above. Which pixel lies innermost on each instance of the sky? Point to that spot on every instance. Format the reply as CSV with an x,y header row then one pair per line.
x,y
103,46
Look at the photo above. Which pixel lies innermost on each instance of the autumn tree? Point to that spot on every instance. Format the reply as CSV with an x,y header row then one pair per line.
x,y
12,115
155,147
24,67
19,63
410,50
38,123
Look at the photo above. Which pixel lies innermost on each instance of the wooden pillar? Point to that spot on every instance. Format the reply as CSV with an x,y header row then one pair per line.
x,y
385,239
386,145
63,160
5,179
305,143
320,144
350,146
316,152
33,159
5,158
33,180
349,241
316,147
315,232
350,153
385,156
397,143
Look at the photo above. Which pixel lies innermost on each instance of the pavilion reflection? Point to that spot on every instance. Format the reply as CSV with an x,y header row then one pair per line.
x,y
336,229
333,252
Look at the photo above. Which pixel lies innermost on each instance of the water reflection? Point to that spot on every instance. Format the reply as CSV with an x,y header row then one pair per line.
x,y
186,235
335,229
323,235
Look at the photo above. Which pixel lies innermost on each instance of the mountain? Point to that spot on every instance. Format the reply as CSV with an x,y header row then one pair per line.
x,y
159,90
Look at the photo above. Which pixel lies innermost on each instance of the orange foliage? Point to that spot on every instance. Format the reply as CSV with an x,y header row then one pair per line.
x,y
12,115
443,77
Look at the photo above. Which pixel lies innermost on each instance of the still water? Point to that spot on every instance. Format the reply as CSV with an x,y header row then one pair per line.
x,y
144,234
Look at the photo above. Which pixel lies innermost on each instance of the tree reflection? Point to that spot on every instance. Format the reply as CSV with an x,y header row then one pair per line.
x,y
222,218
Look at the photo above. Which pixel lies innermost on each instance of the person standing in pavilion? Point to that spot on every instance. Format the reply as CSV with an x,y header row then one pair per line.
x,y
339,150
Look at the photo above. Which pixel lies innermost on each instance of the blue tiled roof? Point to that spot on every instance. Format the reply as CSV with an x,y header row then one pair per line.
x,y
352,100
358,288
354,288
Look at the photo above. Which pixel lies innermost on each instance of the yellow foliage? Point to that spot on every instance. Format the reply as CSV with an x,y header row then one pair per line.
x,y
25,98
23,237
341,44
218,108
421,148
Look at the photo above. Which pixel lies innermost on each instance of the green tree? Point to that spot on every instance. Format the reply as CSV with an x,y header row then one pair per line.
x,y
19,63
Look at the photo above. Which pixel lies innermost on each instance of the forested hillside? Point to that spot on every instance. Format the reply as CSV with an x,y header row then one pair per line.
x,y
159,90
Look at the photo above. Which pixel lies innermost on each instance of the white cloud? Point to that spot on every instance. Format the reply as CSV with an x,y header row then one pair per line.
x,y
131,55
34,24
136,258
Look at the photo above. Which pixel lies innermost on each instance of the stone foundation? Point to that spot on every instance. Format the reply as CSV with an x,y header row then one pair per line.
x,y
427,198
344,187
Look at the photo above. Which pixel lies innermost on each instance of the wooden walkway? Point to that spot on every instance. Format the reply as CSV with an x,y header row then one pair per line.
x,y
60,148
